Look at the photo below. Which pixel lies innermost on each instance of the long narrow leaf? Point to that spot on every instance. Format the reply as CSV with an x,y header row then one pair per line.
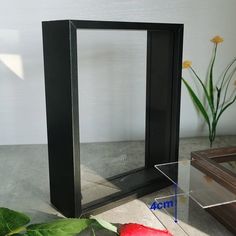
x,y
231,96
225,107
205,91
211,87
197,102
217,101
230,76
226,71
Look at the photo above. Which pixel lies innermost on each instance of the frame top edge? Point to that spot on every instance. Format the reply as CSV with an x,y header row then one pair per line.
x,y
87,24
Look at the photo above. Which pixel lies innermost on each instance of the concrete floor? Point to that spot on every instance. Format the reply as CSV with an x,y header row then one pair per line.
x,y
25,187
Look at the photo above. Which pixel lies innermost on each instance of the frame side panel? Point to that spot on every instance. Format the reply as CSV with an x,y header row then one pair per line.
x,y
159,94
58,84
176,93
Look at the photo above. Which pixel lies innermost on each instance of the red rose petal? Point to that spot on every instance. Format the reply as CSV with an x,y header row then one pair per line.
x,y
141,230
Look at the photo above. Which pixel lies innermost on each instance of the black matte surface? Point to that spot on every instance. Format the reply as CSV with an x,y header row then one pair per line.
x,y
164,57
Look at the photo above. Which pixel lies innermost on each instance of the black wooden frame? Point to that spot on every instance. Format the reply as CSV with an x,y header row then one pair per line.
x,y
164,59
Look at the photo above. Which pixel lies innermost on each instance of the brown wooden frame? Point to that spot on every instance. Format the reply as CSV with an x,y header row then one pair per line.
x,y
208,161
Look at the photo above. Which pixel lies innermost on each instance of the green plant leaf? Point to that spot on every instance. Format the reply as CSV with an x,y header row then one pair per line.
x,y
205,91
217,102
224,108
64,227
229,78
105,224
228,67
11,221
93,232
211,86
197,102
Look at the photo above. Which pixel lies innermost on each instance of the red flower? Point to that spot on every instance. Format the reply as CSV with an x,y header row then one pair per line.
x,y
141,230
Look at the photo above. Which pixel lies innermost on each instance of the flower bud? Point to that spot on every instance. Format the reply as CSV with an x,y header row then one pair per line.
x,y
186,64
217,39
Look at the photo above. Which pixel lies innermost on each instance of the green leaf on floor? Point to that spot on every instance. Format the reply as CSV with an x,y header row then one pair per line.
x,y
64,227
11,221
105,224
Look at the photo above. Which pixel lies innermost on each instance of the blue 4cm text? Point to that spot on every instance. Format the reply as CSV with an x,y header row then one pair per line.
x,y
160,205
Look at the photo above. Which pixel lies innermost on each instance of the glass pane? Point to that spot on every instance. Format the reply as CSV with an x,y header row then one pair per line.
x,y
230,165
199,186
112,103
191,218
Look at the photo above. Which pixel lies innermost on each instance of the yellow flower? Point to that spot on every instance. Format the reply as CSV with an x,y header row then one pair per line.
x,y
186,64
217,39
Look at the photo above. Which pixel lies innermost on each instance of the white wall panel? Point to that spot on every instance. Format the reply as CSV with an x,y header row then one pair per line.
x,y
22,102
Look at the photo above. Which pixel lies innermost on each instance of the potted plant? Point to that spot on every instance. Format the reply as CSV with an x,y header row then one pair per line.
x,y
217,94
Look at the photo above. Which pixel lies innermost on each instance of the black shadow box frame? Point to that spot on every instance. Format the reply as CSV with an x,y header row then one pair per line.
x,y
164,59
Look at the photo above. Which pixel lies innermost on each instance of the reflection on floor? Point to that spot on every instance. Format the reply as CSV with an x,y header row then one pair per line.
x,y
25,187
100,161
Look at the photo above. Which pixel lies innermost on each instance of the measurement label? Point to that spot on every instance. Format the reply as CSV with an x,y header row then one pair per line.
x,y
160,205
